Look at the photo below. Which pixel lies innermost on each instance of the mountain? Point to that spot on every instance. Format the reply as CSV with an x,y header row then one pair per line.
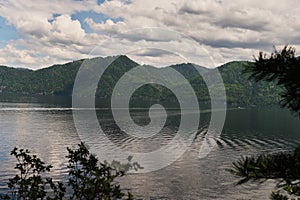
x,y
58,80
241,91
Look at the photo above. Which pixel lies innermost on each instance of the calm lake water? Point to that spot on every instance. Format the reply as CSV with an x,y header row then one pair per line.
x,y
48,129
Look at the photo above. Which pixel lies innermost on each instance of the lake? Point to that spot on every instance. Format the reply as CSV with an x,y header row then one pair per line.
x,y
47,129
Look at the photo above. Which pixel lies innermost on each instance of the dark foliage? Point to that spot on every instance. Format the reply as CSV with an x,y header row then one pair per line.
x,y
283,167
31,181
271,166
89,179
283,68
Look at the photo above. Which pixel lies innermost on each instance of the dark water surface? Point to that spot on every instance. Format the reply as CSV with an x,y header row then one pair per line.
x,y
47,129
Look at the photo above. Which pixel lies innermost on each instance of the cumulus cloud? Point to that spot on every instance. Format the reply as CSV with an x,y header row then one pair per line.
x,y
218,30
107,27
156,57
229,29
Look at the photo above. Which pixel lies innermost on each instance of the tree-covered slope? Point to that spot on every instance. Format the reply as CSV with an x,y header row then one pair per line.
x,y
54,80
59,79
241,91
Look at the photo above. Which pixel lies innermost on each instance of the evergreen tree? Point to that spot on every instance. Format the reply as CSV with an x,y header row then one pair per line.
x,y
283,68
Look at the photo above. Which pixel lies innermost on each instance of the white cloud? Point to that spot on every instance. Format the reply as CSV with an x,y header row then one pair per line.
x,y
108,27
65,29
21,58
228,30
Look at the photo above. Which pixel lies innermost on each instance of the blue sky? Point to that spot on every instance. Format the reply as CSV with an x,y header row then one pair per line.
x,y
36,34
8,32
96,17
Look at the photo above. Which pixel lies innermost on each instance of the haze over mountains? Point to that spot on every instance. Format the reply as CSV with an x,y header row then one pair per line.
x,y
58,80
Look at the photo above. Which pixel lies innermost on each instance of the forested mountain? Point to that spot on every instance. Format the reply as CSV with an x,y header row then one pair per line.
x,y
58,80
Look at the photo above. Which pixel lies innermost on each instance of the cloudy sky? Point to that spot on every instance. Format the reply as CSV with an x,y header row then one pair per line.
x,y
39,33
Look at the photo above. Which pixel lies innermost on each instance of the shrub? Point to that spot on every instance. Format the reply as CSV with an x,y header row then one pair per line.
x,y
88,178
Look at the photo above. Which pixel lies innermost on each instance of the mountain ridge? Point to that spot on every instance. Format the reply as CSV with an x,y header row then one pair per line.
x,y
58,80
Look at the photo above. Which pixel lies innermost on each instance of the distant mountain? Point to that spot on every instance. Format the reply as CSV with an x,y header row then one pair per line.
x,y
188,70
58,80
241,91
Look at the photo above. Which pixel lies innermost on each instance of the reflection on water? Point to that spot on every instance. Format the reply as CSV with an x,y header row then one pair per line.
x,y
48,129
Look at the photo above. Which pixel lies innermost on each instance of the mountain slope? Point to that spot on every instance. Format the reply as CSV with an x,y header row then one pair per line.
x,y
58,80
241,91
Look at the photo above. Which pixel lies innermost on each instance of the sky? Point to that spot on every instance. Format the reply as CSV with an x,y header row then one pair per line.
x,y
39,33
